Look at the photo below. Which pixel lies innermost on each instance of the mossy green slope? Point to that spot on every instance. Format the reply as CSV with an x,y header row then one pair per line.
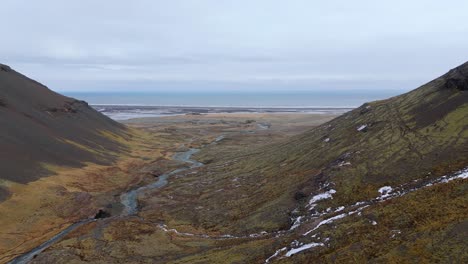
x,y
416,135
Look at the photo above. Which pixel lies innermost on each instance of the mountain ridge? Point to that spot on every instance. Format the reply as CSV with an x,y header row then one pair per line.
x,y
411,138
386,142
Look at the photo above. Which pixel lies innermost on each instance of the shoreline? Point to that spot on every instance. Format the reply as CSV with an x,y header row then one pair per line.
x,y
226,106
127,112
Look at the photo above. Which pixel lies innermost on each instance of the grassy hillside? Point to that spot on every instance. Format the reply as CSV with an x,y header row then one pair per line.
x,y
407,140
421,134
39,126
61,162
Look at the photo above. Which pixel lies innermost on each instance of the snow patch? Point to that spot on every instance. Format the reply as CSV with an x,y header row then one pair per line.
x,y
385,189
302,248
276,254
344,163
385,192
326,221
297,223
359,203
362,127
339,209
321,196
463,174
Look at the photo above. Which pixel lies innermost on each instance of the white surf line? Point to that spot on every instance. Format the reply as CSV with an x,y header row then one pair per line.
x,y
386,193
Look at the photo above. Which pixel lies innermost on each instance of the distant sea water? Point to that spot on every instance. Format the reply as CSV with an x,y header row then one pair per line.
x,y
126,105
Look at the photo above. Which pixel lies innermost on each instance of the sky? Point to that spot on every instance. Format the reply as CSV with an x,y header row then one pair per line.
x,y
261,45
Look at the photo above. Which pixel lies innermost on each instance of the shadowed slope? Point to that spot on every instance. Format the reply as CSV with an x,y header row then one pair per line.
x,y
39,126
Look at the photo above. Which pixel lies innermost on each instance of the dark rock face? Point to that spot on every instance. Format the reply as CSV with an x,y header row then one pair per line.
x,y
441,96
460,84
67,108
2,103
4,68
298,196
102,214
457,78
72,107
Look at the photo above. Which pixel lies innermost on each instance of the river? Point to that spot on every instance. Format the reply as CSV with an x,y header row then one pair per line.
x,y
128,199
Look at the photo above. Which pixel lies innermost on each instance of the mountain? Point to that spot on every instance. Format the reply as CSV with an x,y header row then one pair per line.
x,y
403,143
39,127
384,183
394,141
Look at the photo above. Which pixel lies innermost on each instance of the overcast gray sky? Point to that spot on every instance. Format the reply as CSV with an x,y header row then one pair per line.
x,y
239,44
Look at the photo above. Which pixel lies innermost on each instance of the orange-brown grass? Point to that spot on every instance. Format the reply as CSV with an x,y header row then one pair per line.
x,y
38,210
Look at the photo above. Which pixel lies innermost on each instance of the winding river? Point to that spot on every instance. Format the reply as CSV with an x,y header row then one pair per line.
x,y
128,199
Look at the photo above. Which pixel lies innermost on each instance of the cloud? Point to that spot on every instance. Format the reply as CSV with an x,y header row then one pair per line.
x,y
297,43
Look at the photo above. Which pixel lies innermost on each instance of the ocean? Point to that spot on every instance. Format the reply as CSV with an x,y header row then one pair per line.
x,y
126,105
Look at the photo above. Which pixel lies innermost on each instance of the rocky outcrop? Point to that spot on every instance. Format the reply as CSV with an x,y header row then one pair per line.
x,y
5,68
457,78
69,107
102,214
460,84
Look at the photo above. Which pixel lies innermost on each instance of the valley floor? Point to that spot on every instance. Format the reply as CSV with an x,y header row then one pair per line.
x,y
222,212
32,215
